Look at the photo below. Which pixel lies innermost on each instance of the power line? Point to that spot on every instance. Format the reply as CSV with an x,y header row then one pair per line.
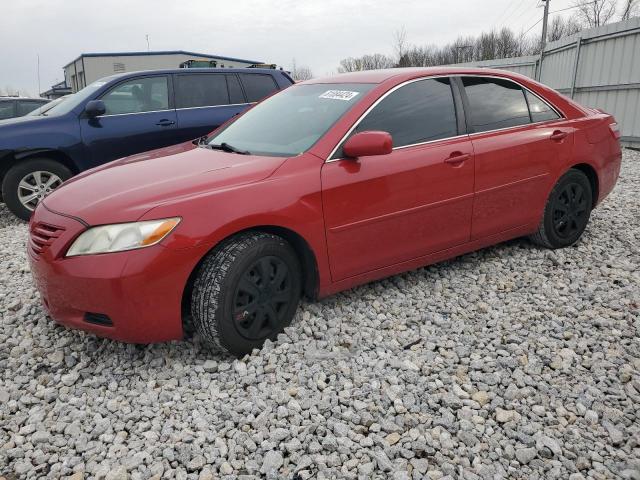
x,y
557,11
504,15
518,12
528,13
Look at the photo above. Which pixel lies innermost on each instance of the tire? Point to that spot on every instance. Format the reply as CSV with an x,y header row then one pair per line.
x,y
566,213
245,291
21,181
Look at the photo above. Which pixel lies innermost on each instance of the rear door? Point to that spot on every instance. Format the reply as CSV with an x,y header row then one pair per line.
x,y
387,209
204,101
139,117
518,140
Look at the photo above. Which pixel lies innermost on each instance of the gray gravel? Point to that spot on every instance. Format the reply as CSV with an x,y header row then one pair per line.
x,y
510,362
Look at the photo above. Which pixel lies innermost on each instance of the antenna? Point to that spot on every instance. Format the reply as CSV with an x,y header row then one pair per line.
x,y
38,69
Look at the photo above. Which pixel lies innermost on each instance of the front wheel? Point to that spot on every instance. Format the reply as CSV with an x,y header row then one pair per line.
x,y
567,211
246,291
28,182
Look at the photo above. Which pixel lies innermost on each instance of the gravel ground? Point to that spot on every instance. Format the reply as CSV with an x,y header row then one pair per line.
x,y
512,362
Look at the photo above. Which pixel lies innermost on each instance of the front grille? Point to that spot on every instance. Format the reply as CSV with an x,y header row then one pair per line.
x,y
42,235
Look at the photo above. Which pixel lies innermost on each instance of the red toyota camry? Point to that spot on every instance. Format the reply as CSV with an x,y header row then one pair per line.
x,y
328,184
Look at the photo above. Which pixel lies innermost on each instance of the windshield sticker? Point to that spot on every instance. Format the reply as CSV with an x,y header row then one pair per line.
x,y
344,95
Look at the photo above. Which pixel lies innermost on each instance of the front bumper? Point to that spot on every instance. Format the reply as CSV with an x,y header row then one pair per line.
x,y
139,291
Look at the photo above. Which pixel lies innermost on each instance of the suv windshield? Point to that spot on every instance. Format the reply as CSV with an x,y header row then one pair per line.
x,y
290,122
77,98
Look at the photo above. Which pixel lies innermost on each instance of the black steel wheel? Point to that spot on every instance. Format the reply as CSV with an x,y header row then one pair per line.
x,y
262,298
567,211
246,291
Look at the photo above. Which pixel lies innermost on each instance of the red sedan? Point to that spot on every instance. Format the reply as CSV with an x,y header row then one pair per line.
x,y
329,184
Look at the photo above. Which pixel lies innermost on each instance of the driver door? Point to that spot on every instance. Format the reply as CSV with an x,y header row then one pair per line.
x,y
139,117
417,200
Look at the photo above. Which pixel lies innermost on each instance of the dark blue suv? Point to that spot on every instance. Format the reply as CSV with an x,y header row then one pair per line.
x,y
119,116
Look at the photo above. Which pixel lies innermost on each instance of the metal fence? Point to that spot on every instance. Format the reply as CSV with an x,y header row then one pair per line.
x,y
599,67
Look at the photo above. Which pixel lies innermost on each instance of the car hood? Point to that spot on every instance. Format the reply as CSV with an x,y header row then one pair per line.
x,y
22,120
124,190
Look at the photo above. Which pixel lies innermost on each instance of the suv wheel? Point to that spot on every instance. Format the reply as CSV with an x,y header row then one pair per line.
x,y
246,290
28,182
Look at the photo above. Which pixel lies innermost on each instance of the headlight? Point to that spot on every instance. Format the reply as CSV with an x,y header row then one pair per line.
x,y
122,236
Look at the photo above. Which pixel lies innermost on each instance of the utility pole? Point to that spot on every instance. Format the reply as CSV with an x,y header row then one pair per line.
x,y
147,42
545,21
543,40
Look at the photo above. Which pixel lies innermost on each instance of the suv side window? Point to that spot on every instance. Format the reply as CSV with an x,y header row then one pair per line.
x,y
495,103
540,110
257,86
138,95
6,109
25,107
235,90
201,90
418,112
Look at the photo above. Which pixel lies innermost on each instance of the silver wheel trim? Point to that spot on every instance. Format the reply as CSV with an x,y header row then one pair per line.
x,y
34,186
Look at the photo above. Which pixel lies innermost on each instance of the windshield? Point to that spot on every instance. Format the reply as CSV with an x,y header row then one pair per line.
x,y
76,99
46,107
290,122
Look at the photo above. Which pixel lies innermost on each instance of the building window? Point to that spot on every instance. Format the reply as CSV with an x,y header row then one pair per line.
x,y
118,67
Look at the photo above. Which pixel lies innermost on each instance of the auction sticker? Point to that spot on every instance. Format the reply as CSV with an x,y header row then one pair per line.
x,y
345,95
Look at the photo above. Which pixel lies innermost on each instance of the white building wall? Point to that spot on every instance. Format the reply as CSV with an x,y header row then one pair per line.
x,y
86,70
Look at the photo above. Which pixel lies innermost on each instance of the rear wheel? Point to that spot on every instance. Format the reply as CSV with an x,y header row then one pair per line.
x,y
247,290
28,182
567,212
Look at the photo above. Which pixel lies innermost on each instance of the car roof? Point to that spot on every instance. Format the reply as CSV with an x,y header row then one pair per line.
x,y
403,74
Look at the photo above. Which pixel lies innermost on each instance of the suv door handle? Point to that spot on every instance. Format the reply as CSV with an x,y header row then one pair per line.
x,y
165,122
558,135
457,158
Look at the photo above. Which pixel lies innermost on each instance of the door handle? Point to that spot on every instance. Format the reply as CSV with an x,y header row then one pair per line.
x,y
457,158
558,135
165,123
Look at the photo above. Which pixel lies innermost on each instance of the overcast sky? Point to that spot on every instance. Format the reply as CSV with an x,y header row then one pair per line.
x,y
316,33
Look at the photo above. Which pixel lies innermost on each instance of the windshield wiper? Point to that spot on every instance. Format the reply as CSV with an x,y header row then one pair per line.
x,y
200,140
224,146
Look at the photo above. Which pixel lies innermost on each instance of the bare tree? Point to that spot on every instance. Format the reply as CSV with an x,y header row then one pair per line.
x,y
630,8
300,72
595,13
400,46
366,62
561,27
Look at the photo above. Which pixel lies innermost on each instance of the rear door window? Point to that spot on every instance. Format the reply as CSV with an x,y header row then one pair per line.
x,y
7,109
419,112
540,110
235,90
201,90
139,95
257,86
495,103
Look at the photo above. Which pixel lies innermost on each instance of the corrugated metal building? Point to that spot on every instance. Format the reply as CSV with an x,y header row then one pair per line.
x,y
90,67
599,67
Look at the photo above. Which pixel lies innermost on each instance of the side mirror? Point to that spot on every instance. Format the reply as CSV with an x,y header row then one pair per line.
x,y
364,144
94,108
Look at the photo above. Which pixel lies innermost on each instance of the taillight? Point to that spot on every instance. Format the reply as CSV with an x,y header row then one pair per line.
x,y
615,130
